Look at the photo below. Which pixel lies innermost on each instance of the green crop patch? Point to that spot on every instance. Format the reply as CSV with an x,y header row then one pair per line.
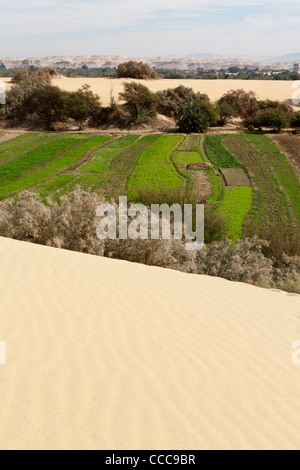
x,y
38,156
17,141
191,142
185,158
218,154
112,181
14,151
155,169
53,184
102,158
276,187
234,206
66,160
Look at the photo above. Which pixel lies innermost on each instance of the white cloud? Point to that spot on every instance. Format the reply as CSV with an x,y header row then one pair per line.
x,y
45,27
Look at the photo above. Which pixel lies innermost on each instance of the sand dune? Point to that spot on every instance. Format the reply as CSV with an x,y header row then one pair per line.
x,y
273,90
112,355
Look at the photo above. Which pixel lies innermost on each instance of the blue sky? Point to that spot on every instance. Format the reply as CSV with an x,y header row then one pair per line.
x,y
149,27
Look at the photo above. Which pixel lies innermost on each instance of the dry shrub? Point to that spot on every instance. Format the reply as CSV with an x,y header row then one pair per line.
x,y
75,222
26,219
281,240
242,261
163,253
287,274
72,223
245,261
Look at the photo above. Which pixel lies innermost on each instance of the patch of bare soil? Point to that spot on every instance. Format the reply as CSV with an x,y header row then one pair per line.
x,y
6,136
236,177
203,187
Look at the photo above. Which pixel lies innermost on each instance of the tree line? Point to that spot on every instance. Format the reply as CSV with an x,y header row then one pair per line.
x,y
33,97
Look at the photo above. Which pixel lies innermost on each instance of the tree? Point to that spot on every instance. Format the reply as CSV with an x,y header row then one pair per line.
x,y
47,102
225,112
244,104
137,70
137,95
271,117
194,118
172,101
25,82
28,78
296,119
81,104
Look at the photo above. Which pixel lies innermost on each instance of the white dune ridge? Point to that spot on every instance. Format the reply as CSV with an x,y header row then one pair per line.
x,y
107,354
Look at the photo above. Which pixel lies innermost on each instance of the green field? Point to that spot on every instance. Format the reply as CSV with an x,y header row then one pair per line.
x,y
54,164
235,204
21,145
218,154
155,169
276,187
184,158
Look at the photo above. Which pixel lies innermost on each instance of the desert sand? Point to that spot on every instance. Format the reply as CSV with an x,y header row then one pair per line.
x,y
264,89
112,355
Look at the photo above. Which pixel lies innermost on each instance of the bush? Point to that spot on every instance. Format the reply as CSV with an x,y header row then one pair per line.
x,y
81,105
242,261
137,70
271,104
26,83
244,104
163,253
28,78
245,261
72,224
51,104
285,241
172,101
140,115
216,227
137,95
274,117
47,102
225,113
194,118
295,120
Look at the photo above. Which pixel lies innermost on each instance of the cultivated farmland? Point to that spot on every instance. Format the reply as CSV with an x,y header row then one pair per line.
x,y
242,176
155,168
218,154
276,187
290,146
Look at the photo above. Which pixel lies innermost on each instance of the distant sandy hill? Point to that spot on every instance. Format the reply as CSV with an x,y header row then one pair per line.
x,y
190,62
105,354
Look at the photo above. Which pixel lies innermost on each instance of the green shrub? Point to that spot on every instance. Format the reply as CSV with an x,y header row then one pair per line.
x,y
194,118
137,70
137,95
172,101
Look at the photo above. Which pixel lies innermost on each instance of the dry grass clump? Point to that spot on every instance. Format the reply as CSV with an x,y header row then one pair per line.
x,y
246,261
72,224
